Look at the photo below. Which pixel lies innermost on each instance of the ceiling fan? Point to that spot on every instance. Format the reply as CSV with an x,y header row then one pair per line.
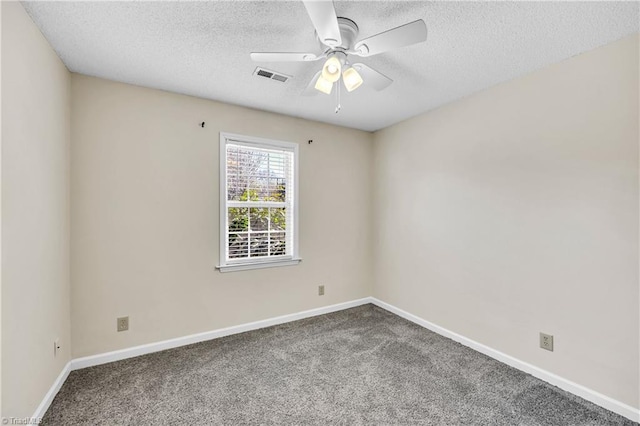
x,y
338,40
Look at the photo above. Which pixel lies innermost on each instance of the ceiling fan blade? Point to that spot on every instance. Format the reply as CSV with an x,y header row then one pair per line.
x,y
310,90
405,35
371,77
324,19
283,57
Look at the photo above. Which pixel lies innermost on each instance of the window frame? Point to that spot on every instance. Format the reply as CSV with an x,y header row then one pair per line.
x,y
255,263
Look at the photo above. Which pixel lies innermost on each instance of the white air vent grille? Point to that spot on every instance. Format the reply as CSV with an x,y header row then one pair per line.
x,y
271,75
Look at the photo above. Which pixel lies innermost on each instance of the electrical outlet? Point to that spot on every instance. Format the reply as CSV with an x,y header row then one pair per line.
x,y
320,290
546,341
56,347
123,323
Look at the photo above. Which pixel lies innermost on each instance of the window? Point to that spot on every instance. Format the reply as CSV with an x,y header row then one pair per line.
x,y
258,203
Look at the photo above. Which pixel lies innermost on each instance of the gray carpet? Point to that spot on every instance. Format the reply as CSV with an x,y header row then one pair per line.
x,y
362,366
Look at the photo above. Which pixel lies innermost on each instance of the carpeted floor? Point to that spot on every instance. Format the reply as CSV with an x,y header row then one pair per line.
x,y
362,366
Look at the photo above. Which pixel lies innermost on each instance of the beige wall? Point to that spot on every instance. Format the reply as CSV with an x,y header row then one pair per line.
x,y
35,213
515,211
145,214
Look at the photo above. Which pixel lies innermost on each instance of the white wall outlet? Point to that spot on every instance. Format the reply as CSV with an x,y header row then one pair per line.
x,y
56,347
546,341
321,290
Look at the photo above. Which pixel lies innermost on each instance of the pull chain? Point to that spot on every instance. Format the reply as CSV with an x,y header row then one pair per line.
x,y
338,96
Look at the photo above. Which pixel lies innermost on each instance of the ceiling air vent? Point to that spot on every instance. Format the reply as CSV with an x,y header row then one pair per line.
x,y
271,75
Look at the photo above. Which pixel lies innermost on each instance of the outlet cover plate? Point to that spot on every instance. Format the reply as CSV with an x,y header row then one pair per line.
x,y
123,324
321,290
546,341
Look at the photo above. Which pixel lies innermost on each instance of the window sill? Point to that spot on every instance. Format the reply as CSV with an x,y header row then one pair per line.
x,y
257,265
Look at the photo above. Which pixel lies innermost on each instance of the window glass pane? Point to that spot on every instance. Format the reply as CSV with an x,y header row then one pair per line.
x,y
277,244
278,219
238,246
238,219
236,178
256,175
256,171
259,244
259,218
277,164
277,189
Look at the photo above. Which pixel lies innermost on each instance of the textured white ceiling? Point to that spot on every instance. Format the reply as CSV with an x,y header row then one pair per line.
x,y
202,48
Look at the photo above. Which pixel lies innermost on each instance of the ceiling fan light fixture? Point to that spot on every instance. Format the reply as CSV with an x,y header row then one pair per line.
x,y
352,79
323,85
332,69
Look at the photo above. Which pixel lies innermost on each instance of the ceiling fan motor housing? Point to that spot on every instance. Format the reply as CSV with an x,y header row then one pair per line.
x,y
348,33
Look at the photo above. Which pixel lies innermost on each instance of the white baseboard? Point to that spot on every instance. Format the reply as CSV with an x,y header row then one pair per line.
x,y
107,357
53,391
567,385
